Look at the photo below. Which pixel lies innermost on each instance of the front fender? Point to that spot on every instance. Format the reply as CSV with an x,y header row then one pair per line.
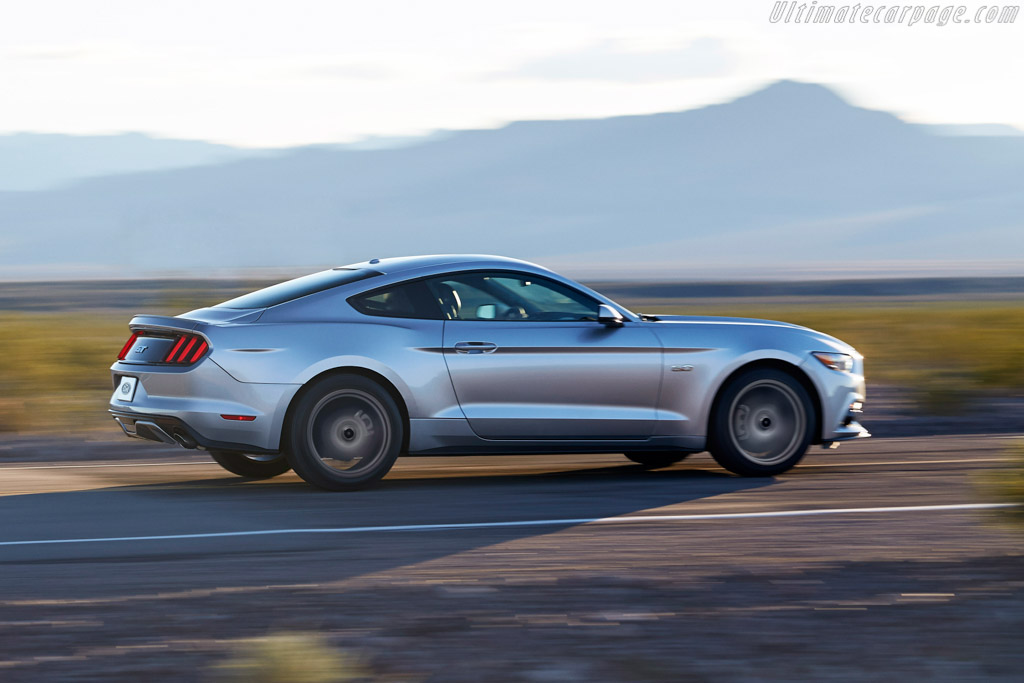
x,y
700,355
718,376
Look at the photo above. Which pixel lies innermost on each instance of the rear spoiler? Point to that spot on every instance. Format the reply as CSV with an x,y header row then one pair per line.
x,y
197,319
163,322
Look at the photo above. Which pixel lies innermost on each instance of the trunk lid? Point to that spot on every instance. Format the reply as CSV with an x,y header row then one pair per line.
x,y
158,339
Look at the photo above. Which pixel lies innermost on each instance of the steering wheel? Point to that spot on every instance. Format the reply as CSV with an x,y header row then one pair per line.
x,y
514,313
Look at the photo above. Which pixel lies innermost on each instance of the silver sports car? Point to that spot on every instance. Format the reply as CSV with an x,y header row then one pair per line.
x,y
337,373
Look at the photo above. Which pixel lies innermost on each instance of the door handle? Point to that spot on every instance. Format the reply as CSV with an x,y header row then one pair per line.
x,y
475,347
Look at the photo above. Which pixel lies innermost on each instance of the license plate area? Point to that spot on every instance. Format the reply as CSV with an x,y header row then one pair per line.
x,y
125,391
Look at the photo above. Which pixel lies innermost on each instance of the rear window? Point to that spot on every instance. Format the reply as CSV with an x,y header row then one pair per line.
x,y
299,287
408,300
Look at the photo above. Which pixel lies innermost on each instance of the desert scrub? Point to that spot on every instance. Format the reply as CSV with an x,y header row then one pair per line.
x,y
1007,486
289,658
55,369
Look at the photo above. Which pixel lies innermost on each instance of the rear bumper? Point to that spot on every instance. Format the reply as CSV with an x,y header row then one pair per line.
x,y
185,405
174,432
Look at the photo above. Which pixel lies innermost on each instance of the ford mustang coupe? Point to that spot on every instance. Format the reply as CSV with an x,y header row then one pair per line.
x,y
337,373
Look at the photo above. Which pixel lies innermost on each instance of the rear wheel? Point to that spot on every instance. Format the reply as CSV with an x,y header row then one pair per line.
x,y
346,432
252,466
762,424
656,461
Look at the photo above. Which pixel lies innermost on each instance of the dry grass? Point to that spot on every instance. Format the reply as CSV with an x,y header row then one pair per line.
x,y
1007,486
55,369
289,658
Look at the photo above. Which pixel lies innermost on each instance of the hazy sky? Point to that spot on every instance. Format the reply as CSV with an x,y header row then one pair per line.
x,y
258,73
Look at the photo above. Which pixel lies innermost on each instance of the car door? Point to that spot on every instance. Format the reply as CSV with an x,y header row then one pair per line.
x,y
528,360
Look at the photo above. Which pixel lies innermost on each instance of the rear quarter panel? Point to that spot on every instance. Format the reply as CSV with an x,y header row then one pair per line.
x,y
405,352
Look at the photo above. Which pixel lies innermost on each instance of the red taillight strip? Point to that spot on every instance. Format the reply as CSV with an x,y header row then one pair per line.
x,y
199,352
177,346
239,418
184,351
127,347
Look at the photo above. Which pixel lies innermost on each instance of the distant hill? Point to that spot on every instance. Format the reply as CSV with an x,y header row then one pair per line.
x,y
790,174
36,161
984,129
42,161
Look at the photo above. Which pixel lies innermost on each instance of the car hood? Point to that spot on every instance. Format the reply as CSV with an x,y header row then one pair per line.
x,y
720,319
829,342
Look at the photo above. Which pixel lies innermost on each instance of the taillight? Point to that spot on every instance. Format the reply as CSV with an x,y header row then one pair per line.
x,y
187,350
127,346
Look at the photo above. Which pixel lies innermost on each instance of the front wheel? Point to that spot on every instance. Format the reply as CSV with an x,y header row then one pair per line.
x,y
762,424
345,433
252,466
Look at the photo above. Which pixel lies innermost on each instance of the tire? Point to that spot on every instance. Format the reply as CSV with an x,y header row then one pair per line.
x,y
252,466
762,424
345,433
656,461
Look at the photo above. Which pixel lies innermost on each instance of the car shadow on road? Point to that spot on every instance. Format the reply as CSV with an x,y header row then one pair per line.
x,y
138,513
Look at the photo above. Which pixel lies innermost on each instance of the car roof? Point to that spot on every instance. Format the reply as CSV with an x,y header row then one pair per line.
x,y
402,268
401,264
394,270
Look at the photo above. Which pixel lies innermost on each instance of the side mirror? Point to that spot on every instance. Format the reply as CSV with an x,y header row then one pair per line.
x,y
606,315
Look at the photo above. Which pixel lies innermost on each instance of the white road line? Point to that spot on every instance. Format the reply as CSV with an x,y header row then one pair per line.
x,y
900,462
101,465
524,523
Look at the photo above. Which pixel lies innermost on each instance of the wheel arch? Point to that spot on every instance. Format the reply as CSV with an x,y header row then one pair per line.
x,y
790,369
380,379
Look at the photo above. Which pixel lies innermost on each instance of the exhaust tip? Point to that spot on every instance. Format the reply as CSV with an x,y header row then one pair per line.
x,y
185,440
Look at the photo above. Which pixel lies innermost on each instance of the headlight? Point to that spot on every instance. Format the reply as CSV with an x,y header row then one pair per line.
x,y
840,362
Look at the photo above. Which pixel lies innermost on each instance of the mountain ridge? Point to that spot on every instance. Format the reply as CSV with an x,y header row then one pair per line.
x,y
788,174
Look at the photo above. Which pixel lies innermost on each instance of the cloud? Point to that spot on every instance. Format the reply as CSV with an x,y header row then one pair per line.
x,y
350,71
53,53
606,61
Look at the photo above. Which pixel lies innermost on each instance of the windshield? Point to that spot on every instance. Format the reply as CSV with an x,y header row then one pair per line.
x,y
299,287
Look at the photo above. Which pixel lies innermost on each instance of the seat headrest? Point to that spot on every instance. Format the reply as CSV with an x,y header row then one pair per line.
x,y
449,301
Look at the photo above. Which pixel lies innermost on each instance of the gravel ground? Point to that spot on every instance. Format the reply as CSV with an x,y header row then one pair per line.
x,y
886,621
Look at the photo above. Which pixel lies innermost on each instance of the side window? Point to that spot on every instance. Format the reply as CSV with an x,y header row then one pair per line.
x,y
509,296
411,300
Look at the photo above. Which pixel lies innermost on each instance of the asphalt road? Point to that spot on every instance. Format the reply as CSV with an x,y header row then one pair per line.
x,y
585,567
